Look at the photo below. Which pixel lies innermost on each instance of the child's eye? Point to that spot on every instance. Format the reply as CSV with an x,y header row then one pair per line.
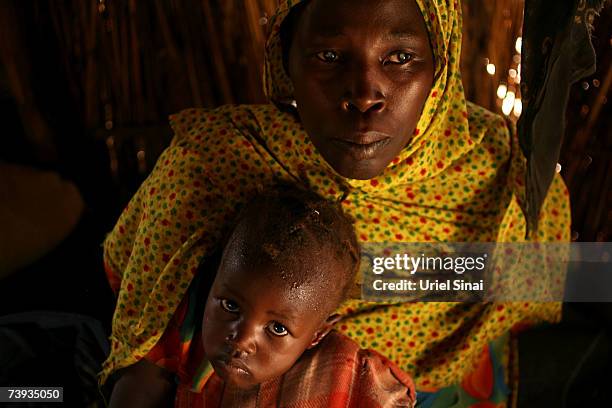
x,y
229,305
399,57
328,56
278,329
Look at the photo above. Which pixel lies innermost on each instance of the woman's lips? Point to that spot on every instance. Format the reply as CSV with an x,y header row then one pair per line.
x,y
363,146
365,137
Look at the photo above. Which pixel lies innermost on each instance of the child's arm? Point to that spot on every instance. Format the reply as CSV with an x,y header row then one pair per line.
x,y
143,385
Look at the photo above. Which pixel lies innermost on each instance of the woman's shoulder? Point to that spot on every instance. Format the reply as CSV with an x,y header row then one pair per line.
x,y
232,146
480,113
481,119
492,133
200,126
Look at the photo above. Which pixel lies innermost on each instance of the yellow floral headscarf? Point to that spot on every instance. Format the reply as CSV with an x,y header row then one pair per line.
x,y
459,180
444,116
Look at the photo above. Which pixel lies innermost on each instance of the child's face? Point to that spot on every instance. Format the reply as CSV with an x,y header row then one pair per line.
x,y
256,325
361,71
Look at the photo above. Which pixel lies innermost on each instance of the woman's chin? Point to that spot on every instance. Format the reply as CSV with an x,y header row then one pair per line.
x,y
357,172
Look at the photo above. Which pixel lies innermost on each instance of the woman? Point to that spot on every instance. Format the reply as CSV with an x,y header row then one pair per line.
x,y
382,124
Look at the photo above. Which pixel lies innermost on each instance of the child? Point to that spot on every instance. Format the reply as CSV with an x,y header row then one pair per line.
x,y
288,264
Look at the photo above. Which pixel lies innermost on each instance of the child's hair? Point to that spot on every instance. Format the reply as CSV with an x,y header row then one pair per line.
x,y
290,220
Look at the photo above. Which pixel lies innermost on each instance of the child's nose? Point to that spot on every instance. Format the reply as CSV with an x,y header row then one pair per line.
x,y
242,338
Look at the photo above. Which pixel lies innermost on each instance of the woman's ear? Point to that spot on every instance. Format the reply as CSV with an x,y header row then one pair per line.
x,y
325,328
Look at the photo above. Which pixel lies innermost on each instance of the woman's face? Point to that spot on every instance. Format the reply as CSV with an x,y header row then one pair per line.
x,y
362,71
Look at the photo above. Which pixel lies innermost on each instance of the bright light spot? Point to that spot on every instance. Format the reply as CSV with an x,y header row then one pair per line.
x,y
518,107
512,73
558,168
501,91
518,45
508,103
491,69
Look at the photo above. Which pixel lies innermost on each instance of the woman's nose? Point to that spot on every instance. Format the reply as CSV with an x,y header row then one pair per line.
x,y
364,90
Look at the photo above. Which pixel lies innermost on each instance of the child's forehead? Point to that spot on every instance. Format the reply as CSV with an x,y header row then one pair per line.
x,y
295,287
298,259
287,278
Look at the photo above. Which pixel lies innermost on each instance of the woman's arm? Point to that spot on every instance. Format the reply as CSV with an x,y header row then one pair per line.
x,y
143,385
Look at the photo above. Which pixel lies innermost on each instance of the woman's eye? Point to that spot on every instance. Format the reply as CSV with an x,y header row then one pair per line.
x,y
328,56
399,57
229,305
278,329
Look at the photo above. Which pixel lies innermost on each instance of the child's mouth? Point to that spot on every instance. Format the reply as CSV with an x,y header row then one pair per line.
x,y
231,367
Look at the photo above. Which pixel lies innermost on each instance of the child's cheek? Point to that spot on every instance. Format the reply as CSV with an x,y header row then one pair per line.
x,y
276,361
213,337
